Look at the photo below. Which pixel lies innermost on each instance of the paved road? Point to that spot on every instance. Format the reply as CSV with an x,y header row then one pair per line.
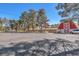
x,y
6,38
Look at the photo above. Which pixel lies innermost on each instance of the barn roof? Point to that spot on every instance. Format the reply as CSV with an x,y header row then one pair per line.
x,y
72,25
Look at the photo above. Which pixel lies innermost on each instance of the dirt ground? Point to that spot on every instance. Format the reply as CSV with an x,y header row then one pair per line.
x,y
20,44
6,38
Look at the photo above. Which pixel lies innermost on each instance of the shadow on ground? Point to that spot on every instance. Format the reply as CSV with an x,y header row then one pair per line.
x,y
58,47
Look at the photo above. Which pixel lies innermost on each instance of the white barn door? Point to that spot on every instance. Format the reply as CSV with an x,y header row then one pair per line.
x,y
66,27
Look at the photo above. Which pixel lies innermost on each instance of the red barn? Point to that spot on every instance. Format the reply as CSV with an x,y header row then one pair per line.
x,y
67,26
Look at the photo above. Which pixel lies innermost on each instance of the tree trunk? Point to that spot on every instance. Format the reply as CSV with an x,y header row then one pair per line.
x,y
28,28
41,29
15,28
32,27
45,27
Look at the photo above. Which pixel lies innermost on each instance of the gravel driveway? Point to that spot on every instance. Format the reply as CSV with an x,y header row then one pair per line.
x,y
48,44
6,38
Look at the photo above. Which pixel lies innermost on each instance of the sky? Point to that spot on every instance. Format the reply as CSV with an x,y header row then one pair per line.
x,y
14,10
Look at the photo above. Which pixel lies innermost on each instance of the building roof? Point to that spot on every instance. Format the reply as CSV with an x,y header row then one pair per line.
x,y
71,24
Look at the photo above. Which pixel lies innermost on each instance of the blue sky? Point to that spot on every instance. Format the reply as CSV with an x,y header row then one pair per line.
x,y
13,11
